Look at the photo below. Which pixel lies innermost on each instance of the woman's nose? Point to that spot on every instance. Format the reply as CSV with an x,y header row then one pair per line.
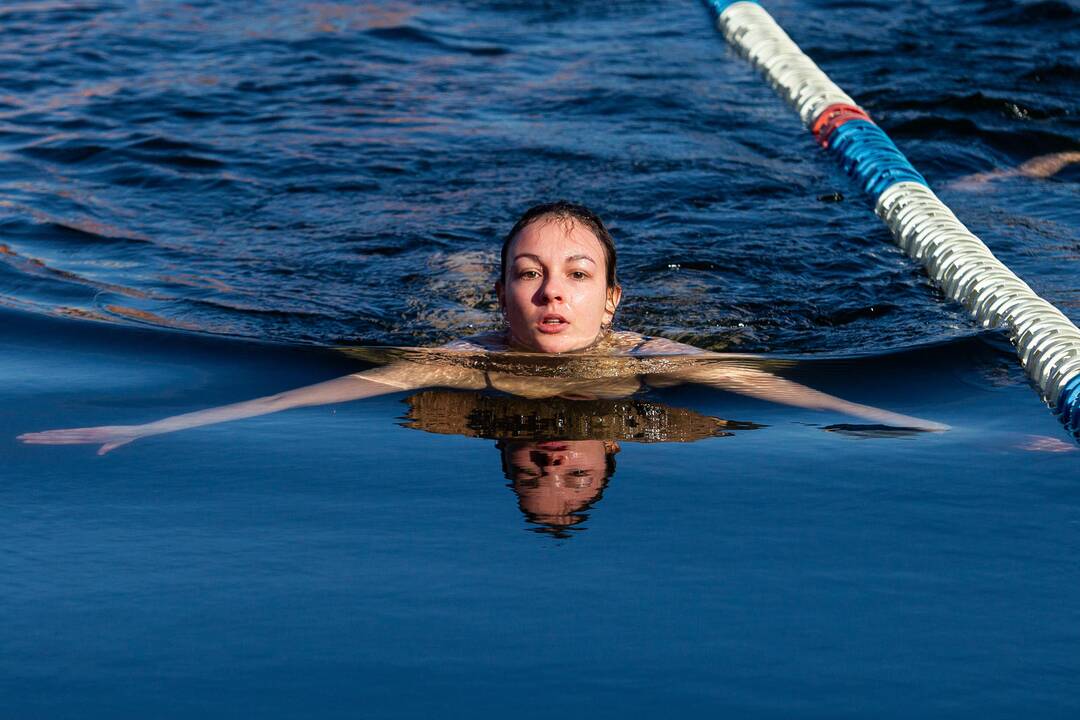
x,y
552,289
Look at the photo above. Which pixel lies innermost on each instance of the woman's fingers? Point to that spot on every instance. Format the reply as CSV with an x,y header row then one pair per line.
x,y
111,437
78,436
55,437
931,426
61,437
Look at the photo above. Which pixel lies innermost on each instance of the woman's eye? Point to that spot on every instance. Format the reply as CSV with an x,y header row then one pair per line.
x,y
528,274
579,275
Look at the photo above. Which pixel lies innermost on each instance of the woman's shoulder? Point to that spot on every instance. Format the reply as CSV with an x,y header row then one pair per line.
x,y
634,343
487,342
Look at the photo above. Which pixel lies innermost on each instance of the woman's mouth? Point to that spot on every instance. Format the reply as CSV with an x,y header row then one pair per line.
x,y
552,323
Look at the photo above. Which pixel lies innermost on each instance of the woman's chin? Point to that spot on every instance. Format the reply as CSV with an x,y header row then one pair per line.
x,y
554,343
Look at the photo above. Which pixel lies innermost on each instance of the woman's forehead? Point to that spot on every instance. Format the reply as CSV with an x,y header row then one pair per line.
x,y
556,238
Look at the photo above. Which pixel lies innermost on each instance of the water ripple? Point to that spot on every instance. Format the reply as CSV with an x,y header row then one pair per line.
x,y
324,173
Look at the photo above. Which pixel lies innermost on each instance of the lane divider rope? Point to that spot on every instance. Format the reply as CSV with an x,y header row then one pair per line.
x,y
1047,342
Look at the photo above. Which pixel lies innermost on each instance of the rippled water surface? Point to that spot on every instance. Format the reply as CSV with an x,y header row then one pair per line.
x,y
201,201
324,172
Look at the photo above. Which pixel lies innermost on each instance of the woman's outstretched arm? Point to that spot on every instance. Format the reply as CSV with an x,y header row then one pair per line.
x,y
766,386
377,381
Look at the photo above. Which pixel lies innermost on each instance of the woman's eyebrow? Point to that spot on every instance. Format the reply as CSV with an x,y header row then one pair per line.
x,y
570,258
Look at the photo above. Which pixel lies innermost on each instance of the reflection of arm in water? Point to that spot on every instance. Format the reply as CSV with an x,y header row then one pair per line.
x,y
391,378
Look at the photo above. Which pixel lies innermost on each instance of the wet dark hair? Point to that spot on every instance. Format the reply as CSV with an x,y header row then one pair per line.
x,y
563,210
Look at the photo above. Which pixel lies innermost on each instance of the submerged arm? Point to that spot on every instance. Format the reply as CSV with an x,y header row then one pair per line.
x,y
766,386
371,383
1043,166
342,389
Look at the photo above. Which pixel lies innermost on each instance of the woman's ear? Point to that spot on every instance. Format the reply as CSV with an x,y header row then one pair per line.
x,y
500,292
614,295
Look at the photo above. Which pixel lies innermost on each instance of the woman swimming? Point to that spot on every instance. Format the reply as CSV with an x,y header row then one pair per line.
x,y
558,292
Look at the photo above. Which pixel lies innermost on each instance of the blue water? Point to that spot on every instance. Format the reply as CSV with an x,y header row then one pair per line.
x,y
197,201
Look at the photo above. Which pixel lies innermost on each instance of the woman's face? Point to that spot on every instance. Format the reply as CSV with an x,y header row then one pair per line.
x,y
555,293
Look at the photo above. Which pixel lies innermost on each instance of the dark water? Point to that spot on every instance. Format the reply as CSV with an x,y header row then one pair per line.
x,y
314,172
197,200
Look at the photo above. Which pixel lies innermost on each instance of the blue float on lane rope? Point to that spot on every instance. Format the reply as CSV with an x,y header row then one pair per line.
x,y
1047,342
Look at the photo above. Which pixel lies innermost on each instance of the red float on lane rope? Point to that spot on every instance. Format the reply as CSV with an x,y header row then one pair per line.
x,y
833,117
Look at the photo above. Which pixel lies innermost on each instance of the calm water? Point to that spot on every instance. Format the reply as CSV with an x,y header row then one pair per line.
x,y
197,201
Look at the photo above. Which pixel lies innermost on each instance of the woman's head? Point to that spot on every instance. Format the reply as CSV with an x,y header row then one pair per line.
x,y
558,288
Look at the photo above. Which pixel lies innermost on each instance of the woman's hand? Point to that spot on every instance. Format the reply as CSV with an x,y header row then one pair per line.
x,y
110,436
1043,443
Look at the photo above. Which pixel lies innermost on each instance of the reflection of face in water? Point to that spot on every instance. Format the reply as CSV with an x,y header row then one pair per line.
x,y
557,480
559,454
